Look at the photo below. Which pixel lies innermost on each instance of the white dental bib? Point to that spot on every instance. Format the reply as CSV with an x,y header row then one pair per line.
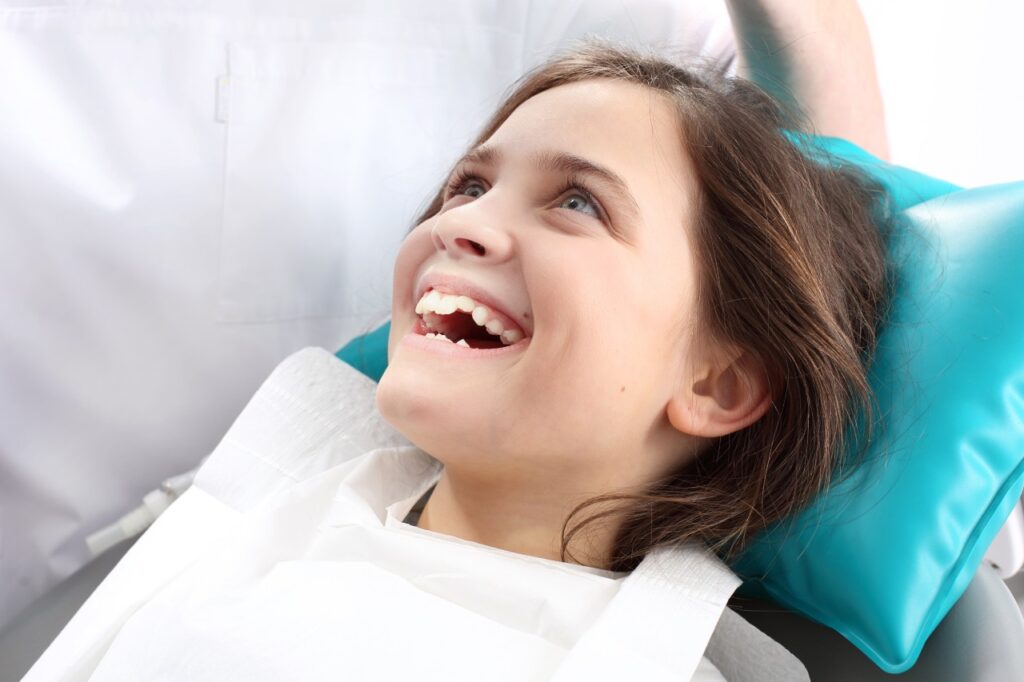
x,y
288,559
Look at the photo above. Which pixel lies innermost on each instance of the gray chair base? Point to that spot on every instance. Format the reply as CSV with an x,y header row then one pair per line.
x,y
980,640
26,637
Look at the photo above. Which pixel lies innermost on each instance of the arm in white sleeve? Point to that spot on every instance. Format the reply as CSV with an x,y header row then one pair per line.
x,y
817,54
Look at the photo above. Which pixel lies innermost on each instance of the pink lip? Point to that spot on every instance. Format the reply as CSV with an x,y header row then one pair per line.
x,y
450,284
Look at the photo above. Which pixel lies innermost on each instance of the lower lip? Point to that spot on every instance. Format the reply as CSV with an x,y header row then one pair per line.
x,y
416,339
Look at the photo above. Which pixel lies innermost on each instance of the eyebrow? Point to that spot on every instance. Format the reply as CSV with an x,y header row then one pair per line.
x,y
569,164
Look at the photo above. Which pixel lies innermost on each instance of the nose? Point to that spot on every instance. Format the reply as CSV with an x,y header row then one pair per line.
x,y
471,234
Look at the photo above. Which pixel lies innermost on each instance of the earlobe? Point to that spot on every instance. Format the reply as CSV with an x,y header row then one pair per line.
x,y
722,401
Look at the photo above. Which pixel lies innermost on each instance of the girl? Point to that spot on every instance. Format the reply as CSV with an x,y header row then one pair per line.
x,y
677,281
634,297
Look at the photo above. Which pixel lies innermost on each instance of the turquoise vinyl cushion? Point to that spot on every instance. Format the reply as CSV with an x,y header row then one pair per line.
x,y
368,352
883,556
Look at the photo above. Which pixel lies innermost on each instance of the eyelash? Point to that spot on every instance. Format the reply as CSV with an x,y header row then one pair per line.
x,y
573,182
458,180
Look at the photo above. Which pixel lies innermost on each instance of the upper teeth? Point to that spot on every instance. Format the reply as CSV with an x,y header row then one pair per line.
x,y
446,304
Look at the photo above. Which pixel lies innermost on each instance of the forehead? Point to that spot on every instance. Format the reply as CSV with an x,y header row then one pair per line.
x,y
630,129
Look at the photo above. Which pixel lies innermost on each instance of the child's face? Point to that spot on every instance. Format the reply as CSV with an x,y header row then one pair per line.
x,y
584,395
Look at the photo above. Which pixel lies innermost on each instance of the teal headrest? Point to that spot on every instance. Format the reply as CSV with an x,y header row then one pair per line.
x,y
883,556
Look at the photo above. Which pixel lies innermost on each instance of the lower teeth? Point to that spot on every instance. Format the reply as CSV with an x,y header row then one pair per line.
x,y
442,337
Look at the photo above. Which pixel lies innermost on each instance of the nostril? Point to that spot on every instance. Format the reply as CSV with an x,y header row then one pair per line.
x,y
477,248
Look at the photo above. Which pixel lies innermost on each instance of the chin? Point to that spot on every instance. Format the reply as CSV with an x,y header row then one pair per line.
x,y
406,398
396,397
413,409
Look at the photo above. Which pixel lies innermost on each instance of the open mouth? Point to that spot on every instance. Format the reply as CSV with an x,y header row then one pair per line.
x,y
460,320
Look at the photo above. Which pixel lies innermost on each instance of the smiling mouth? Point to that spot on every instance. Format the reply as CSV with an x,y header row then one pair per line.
x,y
462,321
457,328
422,329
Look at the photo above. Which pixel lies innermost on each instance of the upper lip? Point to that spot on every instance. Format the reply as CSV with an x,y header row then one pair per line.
x,y
453,284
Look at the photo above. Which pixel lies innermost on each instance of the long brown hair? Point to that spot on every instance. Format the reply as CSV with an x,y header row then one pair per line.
x,y
791,267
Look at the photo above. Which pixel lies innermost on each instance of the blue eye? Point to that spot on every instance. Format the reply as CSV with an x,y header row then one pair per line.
x,y
580,202
463,182
468,189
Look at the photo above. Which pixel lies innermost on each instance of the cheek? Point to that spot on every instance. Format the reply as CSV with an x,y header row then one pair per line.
x,y
598,347
412,254
415,249
626,341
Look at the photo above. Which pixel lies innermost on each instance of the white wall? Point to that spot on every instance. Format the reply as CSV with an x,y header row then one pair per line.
x,y
952,75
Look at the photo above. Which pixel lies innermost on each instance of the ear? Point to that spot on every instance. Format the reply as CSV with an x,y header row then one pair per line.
x,y
724,396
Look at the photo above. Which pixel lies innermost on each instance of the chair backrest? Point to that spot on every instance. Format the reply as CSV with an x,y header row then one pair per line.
x,y
981,639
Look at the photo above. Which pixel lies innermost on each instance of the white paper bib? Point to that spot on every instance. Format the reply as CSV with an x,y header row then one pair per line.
x,y
288,559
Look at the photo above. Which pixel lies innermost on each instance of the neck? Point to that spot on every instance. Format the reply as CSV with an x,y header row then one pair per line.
x,y
513,521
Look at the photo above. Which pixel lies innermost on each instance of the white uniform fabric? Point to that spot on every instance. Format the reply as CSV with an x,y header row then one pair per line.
x,y
288,559
190,191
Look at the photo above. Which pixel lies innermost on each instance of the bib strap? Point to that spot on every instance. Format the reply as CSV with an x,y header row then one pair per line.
x,y
659,623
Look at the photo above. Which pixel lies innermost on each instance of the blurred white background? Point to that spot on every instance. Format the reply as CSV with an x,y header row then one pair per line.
x,y
952,75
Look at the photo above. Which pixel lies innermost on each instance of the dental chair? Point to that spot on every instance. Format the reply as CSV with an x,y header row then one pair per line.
x,y
980,640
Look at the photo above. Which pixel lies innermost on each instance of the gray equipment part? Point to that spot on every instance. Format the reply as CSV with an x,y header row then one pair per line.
x,y
26,637
981,639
